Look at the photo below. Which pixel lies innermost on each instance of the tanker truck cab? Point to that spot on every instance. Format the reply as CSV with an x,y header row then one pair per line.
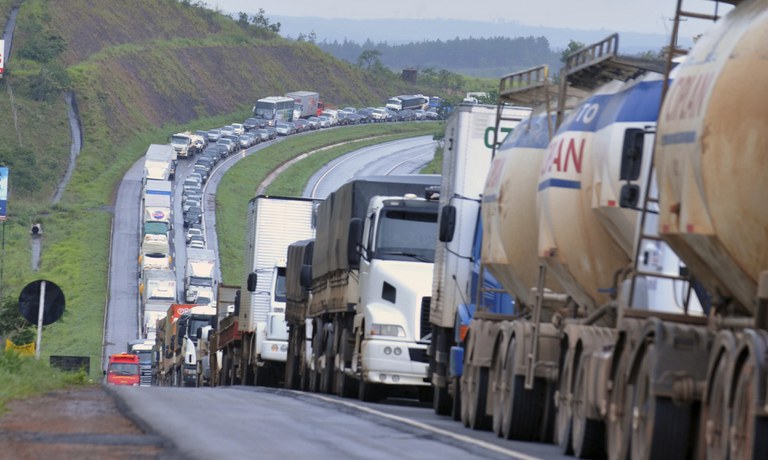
x,y
395,249
272,341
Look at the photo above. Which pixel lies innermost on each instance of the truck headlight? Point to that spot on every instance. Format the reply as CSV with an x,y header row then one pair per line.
x,y
389,330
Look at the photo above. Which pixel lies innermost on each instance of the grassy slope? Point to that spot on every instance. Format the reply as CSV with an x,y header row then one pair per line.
x,y
239,184
140,70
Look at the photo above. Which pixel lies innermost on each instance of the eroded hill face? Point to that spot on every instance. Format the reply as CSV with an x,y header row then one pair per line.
x,y
136,65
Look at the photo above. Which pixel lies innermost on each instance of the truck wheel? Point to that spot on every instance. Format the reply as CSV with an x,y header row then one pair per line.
x,y
456,406
369,392
326,378
441,400
464,411
564,406
748,432
499,391
478,394
619,417
588,436
714,413
660,428
225,378
291,364
522,410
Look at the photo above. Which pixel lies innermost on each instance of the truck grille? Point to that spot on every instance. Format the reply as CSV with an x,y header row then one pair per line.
x,y
426,328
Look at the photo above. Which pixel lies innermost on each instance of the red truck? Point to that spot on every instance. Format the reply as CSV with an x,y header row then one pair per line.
x,y
123,369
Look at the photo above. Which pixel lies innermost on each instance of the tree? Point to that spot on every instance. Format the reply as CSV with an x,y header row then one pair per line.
x,y
369,59
573,45
51,80
13,325
242,19
262,22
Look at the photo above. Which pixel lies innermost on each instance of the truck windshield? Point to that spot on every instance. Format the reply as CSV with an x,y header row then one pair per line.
x,y
265,110
196,323
406,234
280,292
179,140
199,281
124,369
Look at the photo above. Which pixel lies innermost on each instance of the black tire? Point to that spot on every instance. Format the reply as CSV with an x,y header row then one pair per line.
x,y
441,400
369,392
748,431
478,393
500,390
456,406
425,394
292,363
522,418
661,429
326,378
587,435
563,421
619,419
715,418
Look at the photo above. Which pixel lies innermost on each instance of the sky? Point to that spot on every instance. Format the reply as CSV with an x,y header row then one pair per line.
x,y
649,16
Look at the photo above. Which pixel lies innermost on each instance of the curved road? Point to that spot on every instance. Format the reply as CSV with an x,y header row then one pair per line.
x,y
283,423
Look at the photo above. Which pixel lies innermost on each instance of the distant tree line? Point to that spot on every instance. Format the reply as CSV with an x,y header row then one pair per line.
x,y
498,55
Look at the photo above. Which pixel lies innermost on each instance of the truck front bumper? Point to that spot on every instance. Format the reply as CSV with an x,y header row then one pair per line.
x,y
274,350
394,363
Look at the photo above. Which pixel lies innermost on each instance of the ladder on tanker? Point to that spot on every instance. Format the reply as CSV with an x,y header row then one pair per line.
x,y
650,203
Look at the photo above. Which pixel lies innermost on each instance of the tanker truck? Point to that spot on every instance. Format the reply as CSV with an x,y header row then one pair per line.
x,y
469,140
563,194
637,360
371,278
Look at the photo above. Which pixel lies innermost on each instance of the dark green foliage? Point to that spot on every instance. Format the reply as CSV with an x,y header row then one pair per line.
x,y
49,82
490,57
12,324
22,166
573,46
41,45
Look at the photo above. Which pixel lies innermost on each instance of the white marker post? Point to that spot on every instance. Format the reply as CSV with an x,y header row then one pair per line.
x,y
40,320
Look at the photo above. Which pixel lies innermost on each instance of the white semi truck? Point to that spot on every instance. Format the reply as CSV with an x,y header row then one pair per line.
x,y
470,135
198,275
258,356
371,284
160,163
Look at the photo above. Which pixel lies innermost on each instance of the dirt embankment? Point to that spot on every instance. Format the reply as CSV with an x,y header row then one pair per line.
x,y
79,423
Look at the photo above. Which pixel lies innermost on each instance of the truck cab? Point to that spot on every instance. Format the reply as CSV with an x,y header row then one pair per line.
x,y
396,250
123,369
272,344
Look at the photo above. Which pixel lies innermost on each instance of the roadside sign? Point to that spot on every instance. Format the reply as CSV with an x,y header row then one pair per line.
x,y
52,302
2,57
3,188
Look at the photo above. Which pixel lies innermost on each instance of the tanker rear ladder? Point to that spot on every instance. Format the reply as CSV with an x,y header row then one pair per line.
x,y
531,88
650,201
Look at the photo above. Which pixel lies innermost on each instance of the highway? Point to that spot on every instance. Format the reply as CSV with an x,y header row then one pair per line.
x,y
205,422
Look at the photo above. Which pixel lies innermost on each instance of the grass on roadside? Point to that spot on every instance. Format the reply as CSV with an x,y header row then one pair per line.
x,y
24,376
239,184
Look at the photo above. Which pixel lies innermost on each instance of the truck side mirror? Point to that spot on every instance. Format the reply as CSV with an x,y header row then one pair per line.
x,y
354,242
305,278
630,196
447,224
252,279
632,154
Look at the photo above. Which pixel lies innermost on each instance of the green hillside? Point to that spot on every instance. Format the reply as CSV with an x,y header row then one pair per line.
x,y
139,70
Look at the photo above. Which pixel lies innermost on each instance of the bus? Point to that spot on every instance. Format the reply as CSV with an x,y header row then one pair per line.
x,y
274,109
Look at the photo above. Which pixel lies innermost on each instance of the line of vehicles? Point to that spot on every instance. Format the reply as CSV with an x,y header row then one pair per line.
x,y
175,319
587,276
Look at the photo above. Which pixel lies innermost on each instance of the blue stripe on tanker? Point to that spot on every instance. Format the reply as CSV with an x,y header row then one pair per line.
x,y
640,103
560,183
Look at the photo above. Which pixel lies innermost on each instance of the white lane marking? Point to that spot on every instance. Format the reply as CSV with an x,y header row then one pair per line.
x,y
424,426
